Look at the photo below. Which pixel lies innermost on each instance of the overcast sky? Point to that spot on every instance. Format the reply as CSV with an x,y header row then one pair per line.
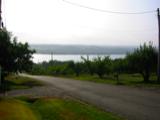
x,y
57,22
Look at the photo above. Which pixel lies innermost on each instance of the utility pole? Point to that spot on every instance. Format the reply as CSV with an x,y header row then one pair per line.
x,y
51,56
0,75
0,29
0,14
158,67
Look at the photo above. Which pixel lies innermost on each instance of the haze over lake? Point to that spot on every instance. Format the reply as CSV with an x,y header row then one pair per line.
x,y
74,52
81,49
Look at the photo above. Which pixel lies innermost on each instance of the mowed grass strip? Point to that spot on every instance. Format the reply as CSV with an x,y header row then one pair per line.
x,y
19,82
15,110
134,80
60,109
50,109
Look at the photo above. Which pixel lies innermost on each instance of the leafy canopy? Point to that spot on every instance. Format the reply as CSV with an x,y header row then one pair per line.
x,y
143,60
14,56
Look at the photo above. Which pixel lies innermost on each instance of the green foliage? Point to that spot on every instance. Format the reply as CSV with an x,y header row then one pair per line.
x,y
15,56
5,50
89,65
119,65
79,68
143,60
24,108
53,68
21,56
102,66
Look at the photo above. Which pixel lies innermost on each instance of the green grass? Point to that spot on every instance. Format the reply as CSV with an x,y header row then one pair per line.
x,y
50,109
12,109
134,80
18,82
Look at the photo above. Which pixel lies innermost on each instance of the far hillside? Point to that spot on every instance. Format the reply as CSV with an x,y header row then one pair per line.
x,y
81,49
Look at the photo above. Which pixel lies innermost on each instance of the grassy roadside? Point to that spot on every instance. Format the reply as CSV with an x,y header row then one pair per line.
x,y
13,82
13,109
50,109
134,80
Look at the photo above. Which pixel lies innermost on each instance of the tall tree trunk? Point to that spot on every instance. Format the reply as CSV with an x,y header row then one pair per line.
x,y
77,74
146,76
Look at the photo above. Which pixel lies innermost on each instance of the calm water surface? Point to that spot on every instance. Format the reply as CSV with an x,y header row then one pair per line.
x,y
37,58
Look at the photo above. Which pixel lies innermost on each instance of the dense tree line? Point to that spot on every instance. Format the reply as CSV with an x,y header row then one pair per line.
x,y
143,61
14,56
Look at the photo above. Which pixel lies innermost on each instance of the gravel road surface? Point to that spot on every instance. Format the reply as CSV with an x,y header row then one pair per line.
x,y
132,103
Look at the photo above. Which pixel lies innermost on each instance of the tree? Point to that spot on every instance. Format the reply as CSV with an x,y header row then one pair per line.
x,y
119,66
102,66
89,65
5,50
21,56
78,67
143,60
14,56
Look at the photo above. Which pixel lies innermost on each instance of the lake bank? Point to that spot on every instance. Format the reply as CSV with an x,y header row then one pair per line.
x,y
37,58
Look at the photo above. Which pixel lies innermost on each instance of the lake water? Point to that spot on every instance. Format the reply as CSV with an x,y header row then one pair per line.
x,y
37,58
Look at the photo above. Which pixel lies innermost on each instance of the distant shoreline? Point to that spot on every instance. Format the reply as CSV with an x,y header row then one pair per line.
x,y
81,49
70,57
79,54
